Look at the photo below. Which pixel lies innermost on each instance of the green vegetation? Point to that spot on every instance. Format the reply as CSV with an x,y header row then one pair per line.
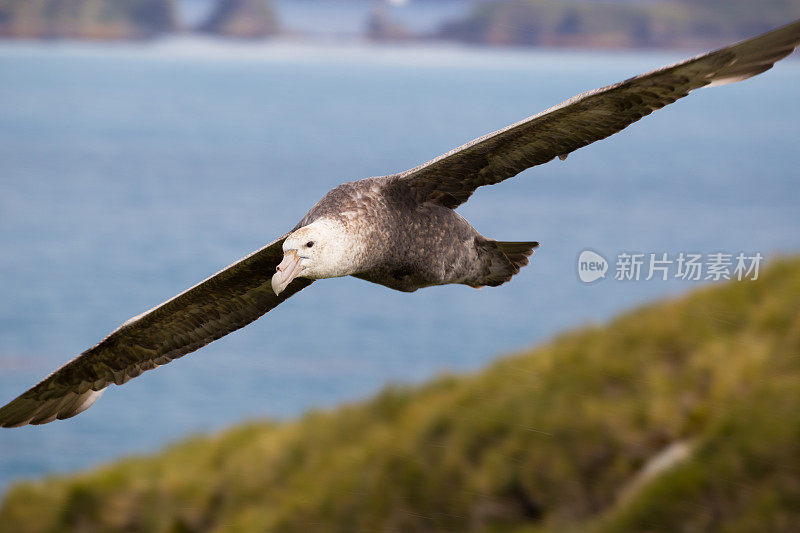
x,y
679,416
586,23
86,19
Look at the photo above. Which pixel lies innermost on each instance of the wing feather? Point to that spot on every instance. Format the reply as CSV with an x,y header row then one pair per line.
x,y
451,178
228,300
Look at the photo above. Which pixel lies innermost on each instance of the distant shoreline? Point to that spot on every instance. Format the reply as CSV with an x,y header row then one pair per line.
x,y
340,42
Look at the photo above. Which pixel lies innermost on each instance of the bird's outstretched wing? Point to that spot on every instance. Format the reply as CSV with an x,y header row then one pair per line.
x,y
451,178
225,302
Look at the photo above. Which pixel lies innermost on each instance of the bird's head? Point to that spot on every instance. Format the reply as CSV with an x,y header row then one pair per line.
x,y
316,251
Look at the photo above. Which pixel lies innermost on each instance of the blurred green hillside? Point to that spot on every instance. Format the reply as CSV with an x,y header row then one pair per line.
x,y
679,416
620,23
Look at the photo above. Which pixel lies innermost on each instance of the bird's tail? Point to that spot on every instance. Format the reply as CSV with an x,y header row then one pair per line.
x,y
517,252
504,260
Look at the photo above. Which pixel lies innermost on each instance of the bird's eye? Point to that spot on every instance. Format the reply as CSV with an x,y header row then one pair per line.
x,y
309,244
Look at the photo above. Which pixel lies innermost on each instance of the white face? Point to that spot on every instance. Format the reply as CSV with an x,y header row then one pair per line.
x,y
319,250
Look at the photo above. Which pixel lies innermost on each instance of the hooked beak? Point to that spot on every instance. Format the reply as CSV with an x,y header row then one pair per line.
x,y
286,271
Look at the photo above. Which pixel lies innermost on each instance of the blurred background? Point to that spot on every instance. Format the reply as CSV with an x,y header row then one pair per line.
x,y
571,23
145,144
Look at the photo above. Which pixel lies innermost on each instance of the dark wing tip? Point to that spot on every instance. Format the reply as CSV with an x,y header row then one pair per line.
x,y
30,409
758,54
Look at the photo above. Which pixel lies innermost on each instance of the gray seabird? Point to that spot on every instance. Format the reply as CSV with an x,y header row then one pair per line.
x,y
400,231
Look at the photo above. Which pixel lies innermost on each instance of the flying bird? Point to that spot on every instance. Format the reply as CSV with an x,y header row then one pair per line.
x,y
400,231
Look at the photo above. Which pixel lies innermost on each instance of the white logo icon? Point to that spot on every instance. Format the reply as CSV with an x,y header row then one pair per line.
x,y
591,266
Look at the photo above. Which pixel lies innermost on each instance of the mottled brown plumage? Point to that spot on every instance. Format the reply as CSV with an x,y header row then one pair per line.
x,y
399,231
412,244
451,178
225,302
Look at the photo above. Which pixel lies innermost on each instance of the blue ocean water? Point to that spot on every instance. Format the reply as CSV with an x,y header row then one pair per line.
x,y
130,172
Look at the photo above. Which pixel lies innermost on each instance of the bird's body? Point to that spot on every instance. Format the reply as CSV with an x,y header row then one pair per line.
x,y
400,231
404,244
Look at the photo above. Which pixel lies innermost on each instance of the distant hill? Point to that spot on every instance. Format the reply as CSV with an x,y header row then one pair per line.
x,y
86,19
621,23
242,19
678,416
